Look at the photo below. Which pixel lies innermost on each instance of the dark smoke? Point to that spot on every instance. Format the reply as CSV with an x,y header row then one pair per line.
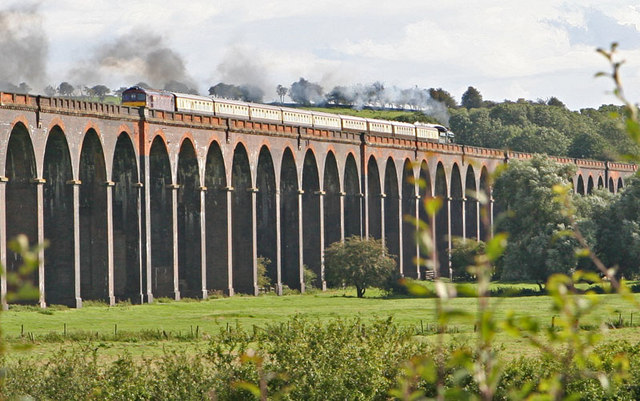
x,y
137,56
23,46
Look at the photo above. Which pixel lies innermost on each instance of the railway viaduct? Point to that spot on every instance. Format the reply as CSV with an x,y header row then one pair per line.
x,y
139,203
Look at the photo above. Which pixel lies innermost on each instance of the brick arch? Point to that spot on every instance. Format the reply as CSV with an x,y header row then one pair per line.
x,y
408,210
17,124
266,204
110,149
332,189
353,197
392,217
217,220
441,237
291,264
311,230
189,228
374,190
244,274
59,271
94,274
472,216
580,186
590,185
126,219
21,207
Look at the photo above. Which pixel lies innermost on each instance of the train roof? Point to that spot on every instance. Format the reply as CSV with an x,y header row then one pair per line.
x,y
192,97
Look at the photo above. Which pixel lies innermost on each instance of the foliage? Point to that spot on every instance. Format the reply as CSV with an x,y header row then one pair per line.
x,y
442,96
463,255
361,262
309,277
281,91
544,128
264,282
534,221
65,89
471,98
617,236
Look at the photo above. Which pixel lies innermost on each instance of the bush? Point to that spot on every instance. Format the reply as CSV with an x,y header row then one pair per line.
x,y
360,262
463,255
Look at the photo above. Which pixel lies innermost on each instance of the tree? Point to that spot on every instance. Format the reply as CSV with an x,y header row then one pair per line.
x,y
554,101
24,88
618,231
471,99
442,96
101,91
66,89
361,262
534,220
282,92
50,91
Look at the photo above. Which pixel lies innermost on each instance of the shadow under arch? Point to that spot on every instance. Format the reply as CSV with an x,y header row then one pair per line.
x,y
21,200
58,222
266,213
189,225
161,203
374,193
242,218
127,266
217,215
94,270
289,222
392,209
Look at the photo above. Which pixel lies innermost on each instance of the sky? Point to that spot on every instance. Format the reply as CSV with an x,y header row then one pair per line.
x,y
507,49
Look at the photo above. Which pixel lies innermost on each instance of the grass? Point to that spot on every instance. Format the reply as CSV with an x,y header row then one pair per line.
x,y
150,328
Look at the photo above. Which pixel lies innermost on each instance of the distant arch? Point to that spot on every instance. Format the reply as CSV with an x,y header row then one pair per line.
x,y
471,204
580,187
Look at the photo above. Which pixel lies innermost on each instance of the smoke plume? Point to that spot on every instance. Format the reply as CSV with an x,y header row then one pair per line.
x,y
137,56
24,46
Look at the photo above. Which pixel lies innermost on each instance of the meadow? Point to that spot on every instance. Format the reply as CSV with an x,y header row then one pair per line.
x,y
165,324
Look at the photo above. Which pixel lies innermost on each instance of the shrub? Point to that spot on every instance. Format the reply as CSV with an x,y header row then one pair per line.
x,y
361,262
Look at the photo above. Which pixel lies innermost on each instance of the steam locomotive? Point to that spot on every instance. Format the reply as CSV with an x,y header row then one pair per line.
x,y
163,100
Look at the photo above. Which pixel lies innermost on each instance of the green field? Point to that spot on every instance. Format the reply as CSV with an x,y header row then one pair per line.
x,y
118,328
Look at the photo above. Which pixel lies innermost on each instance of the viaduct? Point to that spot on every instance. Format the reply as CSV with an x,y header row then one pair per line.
x,y
140,203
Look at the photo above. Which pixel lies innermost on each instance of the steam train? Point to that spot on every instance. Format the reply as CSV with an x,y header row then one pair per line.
x,y
163,100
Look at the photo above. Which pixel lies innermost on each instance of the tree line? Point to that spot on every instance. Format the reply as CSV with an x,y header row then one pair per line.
x,y
541,215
